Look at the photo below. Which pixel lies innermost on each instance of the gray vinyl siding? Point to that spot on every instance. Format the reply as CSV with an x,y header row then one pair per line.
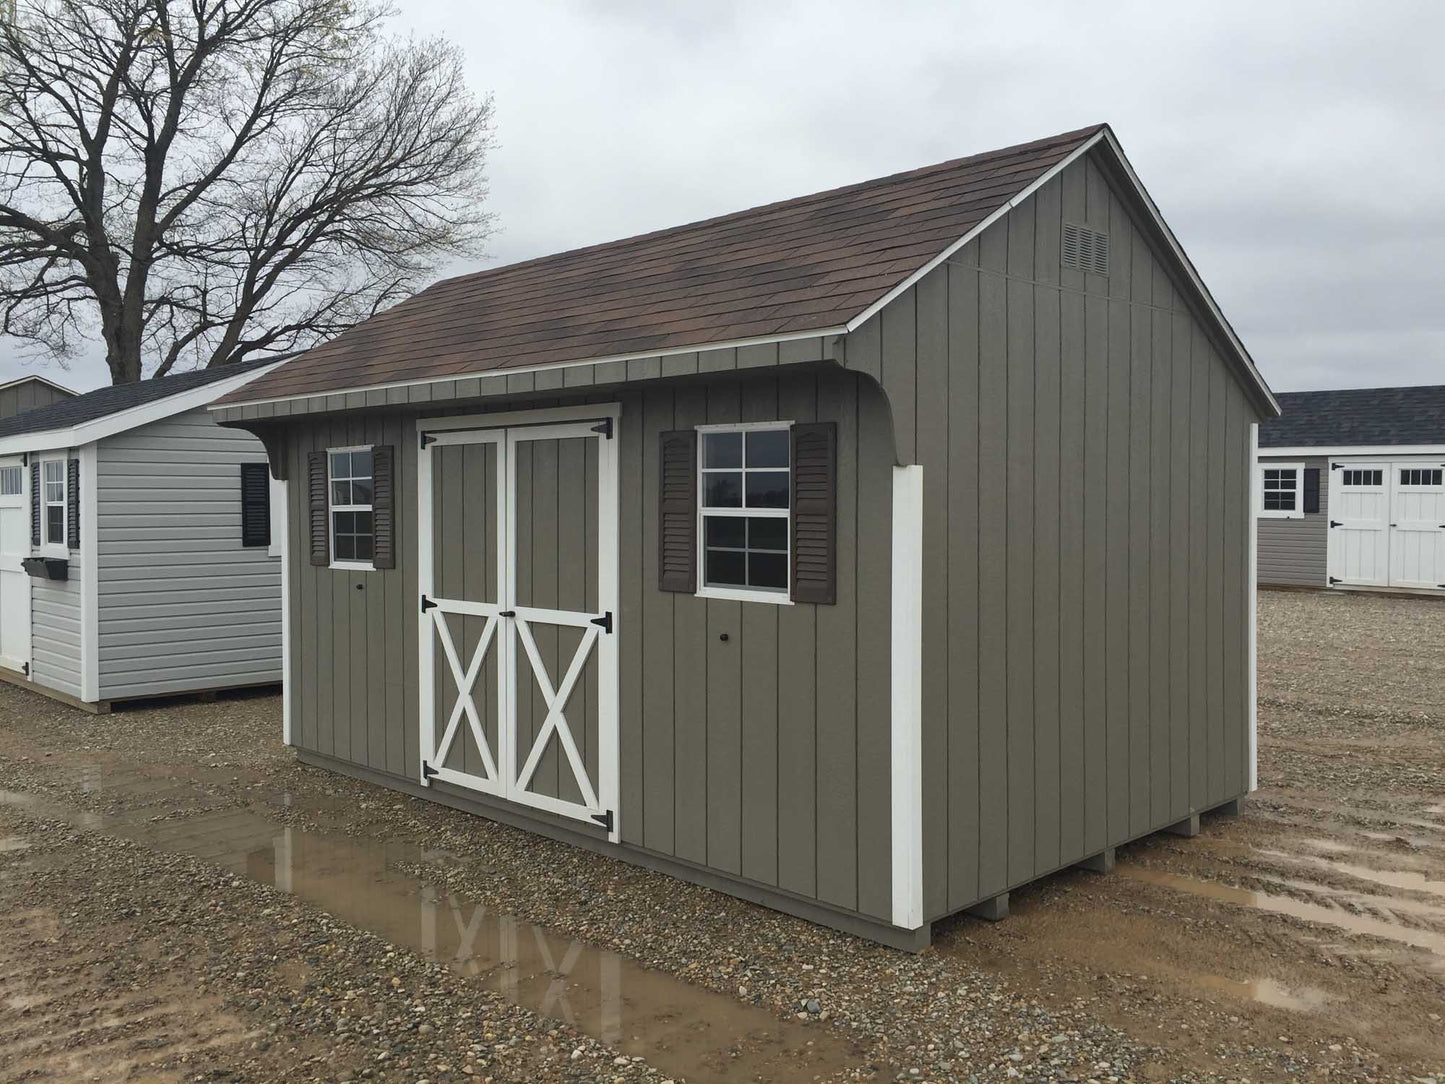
x,y
182,604
55,639
764,757
27,396
1085,453
1295,552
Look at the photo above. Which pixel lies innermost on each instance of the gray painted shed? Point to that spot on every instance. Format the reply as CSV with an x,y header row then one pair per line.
x,y
1350,490
28,392
123,568
1009,627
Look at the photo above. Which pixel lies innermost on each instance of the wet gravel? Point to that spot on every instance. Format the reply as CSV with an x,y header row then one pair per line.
x,y
929,1017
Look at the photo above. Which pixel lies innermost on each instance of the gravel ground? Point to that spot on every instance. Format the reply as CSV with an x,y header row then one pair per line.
x,y
1155,973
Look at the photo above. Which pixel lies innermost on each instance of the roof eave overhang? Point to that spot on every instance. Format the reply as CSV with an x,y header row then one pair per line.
x,y
108,425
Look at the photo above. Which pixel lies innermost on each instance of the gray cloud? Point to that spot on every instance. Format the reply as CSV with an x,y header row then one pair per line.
x,y
1296,148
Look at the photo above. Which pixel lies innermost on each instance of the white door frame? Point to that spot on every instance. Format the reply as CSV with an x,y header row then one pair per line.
x,y
19,609
1432,527
1338,523
1390,467
508,624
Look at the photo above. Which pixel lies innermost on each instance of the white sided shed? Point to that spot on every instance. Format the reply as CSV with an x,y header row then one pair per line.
x,y
136,549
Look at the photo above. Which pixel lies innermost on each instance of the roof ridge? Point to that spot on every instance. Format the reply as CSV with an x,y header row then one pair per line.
x,y
1077,135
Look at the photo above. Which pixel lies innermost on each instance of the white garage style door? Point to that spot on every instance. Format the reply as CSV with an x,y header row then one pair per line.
x,y
1387,524
14,582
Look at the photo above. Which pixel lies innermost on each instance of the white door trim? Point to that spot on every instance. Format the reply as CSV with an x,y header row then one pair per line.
x,y
22,602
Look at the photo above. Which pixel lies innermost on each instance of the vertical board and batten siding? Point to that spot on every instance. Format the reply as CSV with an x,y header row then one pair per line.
x,y
764,757
27,396
1295,552
182,604
55,631
1086,481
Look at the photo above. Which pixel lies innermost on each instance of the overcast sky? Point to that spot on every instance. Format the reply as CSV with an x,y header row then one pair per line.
x,y
1297,149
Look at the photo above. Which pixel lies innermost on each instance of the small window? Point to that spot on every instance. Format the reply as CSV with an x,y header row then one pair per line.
x,y
1420,476
351,511
53,492
743,486
1363,477
12,481
1280,491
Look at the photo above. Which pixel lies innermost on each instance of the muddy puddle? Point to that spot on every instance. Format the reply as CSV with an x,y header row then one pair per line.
x,y
682,1030
1269,992
1389,878
1356,913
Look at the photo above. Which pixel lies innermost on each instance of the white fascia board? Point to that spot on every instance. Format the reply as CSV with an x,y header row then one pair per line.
x,y
522,370
44,380
913,279
131,418
1373,449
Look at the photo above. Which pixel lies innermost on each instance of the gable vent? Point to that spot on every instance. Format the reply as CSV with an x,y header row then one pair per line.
x,y
1085,249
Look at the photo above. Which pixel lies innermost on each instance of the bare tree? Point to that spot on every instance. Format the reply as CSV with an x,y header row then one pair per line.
x,y
203,181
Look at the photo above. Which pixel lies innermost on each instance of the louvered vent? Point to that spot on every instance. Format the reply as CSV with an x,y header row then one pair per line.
x,y
1085,249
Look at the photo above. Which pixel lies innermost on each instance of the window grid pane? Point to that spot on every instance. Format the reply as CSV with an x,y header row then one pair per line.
x,y
1420,476
351,500
11,481
745,491
1364,477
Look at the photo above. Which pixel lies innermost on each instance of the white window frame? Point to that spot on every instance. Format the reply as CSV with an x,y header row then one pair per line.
x,y
1299,492
783,597
332,509
19,470
48,548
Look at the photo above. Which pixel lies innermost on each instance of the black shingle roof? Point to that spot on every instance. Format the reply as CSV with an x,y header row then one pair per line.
x,y
1357,417
118,397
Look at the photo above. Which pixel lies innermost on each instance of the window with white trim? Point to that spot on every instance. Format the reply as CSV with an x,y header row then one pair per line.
x,y
744,483
1281,491
351,507
1421,476
12,481
1369,477
52,486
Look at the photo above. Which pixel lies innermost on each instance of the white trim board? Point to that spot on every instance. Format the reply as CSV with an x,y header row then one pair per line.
x,y
906,782
41,379
89,573
1253,579
130,418
1370,449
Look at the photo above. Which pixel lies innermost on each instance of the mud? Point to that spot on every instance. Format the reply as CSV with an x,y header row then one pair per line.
x,y
683,1030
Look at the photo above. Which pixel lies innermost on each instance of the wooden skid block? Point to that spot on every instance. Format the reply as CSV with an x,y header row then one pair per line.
x,y
1103,862
994,909
1188,827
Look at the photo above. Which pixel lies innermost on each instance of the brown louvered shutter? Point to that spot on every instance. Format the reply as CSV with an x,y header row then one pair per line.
x,y
815,532
316,491
383,506
72,504
35,498
677,511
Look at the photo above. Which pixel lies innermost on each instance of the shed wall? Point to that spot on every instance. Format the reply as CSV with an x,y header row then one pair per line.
x,y
765,756
182,604
27,396
55,638
1086,479
1295,552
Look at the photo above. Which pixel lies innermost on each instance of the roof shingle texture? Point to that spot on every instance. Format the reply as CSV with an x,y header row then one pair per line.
x,y
1357,417
805,264
117,397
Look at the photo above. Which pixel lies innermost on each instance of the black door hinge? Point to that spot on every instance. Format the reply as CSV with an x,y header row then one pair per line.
x,y
604,427
605,622
25,668
427,771
1334,580
427,438
1336,466
426,604
604,819
1336,523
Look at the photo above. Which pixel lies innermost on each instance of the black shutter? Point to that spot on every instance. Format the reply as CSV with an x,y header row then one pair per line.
x,y
255,504
677,511
814,503
72,504
383,506
316,491
35,497
1312,490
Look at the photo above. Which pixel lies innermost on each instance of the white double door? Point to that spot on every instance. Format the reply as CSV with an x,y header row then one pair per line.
x,y
14,581
1387,524
518,573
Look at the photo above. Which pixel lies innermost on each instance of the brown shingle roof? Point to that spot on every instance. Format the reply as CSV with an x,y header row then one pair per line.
x,y
805,264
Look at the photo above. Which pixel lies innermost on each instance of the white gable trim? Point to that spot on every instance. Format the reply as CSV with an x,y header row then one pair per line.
x,y
42,379
131,418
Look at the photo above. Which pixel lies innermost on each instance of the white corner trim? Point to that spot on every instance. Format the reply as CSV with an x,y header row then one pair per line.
x,y
907,685
282,490
89,574
1253,575
913,279
132,417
